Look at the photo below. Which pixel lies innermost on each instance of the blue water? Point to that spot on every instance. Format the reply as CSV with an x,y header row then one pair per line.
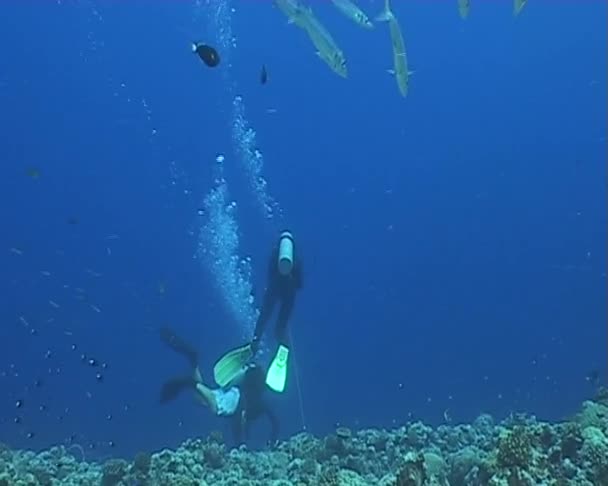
x,y
453,242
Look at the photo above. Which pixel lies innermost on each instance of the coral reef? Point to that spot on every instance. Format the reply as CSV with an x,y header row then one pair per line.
x,y
518,451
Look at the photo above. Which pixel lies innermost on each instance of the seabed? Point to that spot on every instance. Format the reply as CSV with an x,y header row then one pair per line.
x,y
517,451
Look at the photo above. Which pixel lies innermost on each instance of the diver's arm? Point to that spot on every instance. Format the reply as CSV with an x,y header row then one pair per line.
x,y
270,299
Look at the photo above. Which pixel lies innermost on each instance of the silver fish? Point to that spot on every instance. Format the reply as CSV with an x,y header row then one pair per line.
x,y
464,7
294,11
327,49
518,6
399,55
353,12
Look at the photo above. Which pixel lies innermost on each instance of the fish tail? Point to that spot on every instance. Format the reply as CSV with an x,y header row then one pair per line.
x,y
386,14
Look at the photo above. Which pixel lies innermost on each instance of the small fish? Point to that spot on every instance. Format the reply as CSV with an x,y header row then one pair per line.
x,y
53,304
447,416
95,308
353,12
46,273
263,75
518,6
33,172
207,54
16,251
464,7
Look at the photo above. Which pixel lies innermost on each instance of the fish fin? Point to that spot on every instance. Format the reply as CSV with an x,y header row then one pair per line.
x,y
383,16
194,46
386,15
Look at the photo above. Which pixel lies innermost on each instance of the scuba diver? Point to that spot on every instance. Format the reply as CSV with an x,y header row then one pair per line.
x,y
284,280
242,399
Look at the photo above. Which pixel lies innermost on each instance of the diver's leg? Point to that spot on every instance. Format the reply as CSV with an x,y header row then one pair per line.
x,y
206,396
237,430
178,345
173,387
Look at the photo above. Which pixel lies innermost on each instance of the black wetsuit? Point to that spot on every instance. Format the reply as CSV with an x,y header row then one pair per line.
x,y
283,289
252,406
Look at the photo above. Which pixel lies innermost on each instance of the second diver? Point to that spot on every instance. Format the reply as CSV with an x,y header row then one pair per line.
x,y
242,399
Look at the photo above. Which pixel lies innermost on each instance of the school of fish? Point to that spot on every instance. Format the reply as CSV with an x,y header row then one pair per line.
x,y
326,48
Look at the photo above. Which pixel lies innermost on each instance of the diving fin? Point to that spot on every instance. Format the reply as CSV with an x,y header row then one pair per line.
x,y
231,364
277,373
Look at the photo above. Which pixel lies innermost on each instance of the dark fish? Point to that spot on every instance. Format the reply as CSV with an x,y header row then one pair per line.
x,y
33,172
207,54
263,75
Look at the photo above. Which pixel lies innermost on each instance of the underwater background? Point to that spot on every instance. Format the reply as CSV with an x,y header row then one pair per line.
x,y
453,242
